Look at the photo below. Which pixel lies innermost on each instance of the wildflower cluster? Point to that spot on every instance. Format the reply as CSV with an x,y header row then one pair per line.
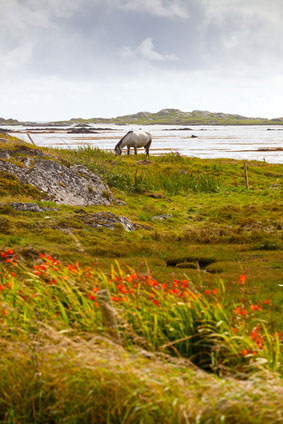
x,y
163,313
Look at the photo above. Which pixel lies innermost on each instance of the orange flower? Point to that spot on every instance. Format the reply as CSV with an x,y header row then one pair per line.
x,y
10,251
91,297
237,310
152,283
207,292
243,312
214,291
267,302
122,288
255,308
129,278
245,352
242,279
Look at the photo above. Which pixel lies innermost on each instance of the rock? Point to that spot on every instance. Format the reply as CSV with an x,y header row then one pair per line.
x,y
178,129
161,217
120,202
82,131
156,195
144,162
29,207
109,220
70,185
194,136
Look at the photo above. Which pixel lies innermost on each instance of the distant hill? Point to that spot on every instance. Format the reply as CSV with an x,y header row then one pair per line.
x,y
166,117
178,117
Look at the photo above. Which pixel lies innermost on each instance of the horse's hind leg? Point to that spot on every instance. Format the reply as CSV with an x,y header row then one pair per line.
x,y
147,147
136,152
128,150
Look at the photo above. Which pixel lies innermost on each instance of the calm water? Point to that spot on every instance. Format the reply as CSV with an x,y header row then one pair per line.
x,y
237,142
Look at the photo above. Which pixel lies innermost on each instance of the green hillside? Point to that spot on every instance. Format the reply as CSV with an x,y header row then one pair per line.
x,y
166,117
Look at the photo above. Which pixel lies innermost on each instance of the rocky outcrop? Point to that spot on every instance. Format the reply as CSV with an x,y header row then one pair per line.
x,y
29,207
109,220
62,183
161,217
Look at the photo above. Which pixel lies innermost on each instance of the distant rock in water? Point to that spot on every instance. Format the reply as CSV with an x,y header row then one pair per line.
x,y
82,131
64,184
178,129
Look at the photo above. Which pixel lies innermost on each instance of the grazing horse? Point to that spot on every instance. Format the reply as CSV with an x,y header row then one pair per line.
x,y
134,139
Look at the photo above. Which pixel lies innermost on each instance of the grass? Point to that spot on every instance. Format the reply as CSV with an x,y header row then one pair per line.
x,y
55,348
188,351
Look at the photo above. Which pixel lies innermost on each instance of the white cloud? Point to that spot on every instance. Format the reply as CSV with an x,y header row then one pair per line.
x,y
162,8
146,50
17,57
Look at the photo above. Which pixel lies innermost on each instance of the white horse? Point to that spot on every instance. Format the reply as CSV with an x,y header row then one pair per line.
x,y
134,139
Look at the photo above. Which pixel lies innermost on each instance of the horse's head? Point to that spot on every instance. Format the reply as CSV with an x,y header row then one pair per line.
x,y
118,150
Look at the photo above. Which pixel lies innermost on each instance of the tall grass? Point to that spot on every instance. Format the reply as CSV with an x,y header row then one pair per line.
x,y
59,364
171,317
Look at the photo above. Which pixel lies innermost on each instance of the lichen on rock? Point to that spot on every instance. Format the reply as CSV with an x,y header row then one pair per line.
x,y
109,220
70,185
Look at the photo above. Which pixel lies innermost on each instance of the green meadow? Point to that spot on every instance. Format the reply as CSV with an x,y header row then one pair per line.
x,y
196,295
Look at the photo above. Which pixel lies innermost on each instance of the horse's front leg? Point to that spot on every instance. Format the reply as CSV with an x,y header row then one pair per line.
x,y
128,150
136,152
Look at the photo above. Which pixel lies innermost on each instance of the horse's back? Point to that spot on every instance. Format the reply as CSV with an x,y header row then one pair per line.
x,y
143,137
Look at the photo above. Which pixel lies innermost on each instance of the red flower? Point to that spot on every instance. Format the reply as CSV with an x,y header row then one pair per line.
x,y
207,292
255,308
242,279
129,278
122,288
214,291
91,297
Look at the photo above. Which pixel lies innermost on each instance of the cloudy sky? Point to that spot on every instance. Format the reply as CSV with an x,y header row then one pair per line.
x,y
86,58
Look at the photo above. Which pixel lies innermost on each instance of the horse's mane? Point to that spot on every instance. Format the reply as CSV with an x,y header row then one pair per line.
x,y
120,142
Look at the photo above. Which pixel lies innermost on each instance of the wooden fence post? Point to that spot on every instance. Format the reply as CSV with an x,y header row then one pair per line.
x,y
108,313
246,175
31,139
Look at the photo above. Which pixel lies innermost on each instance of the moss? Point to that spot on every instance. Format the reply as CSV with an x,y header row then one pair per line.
x,y
11,186
192,265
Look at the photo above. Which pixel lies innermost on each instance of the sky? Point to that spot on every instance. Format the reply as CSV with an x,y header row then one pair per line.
x,y
62,59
